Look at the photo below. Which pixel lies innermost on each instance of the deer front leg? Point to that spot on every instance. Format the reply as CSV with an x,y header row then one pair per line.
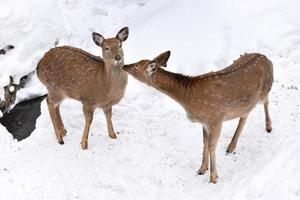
x,y
110,128
214,134
267,115
205,156
88,115
236,135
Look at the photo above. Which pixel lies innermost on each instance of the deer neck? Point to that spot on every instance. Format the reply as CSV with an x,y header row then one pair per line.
x,y
113,71
176,86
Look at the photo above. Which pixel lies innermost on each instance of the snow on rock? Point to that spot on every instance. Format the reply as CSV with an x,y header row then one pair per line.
x,y
158,150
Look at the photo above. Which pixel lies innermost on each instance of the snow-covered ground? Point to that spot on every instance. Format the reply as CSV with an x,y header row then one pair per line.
x,y
158,150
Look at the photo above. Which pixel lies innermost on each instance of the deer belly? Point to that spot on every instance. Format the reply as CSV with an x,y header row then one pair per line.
x,y
239,111
240,103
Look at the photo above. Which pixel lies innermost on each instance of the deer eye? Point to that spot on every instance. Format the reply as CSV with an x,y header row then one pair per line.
x,y
135,68
107,48
120,46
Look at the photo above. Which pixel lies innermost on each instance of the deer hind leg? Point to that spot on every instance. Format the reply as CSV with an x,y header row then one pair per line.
x,y
88,115
53,107
205,156
267,115
232,145
108,115
63,130
214,134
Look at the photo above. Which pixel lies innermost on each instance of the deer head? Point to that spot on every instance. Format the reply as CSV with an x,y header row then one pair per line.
x,y
144,69
112,51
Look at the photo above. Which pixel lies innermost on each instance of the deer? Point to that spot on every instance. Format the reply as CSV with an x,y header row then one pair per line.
x,y
69,72
212,98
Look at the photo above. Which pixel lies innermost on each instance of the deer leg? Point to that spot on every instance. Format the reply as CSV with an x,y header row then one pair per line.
x,y
205,156
88,115
52,106
110,128
267,115
61,124
236,135
214,134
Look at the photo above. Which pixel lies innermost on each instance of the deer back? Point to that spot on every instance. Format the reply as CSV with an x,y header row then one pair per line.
x,y
234,90
71,72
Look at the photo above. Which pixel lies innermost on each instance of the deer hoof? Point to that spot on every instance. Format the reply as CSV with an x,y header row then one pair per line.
x,y
229,151
113,136
230,148
202,170
84,145
199,172
61,142
269,130
213,179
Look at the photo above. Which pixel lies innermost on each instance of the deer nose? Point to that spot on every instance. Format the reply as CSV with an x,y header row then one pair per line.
x,y
125,67
118,58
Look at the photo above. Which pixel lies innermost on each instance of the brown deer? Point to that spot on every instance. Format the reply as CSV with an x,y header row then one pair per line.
x,y
213,97
68,72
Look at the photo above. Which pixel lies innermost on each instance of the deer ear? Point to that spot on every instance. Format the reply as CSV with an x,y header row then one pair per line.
x,y
98,39
163,58
123,34
151,67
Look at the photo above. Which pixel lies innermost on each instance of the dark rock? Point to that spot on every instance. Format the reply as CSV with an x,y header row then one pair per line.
x,y
21,120
25,79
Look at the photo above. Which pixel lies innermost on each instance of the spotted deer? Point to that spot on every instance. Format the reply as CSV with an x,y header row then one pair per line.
x,y
69,72
214,97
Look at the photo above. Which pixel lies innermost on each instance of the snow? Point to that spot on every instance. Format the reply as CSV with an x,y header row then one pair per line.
x,y
158,150
282,171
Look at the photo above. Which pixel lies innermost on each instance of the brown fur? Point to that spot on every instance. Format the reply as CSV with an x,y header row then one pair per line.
x,y
68,72
213,97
